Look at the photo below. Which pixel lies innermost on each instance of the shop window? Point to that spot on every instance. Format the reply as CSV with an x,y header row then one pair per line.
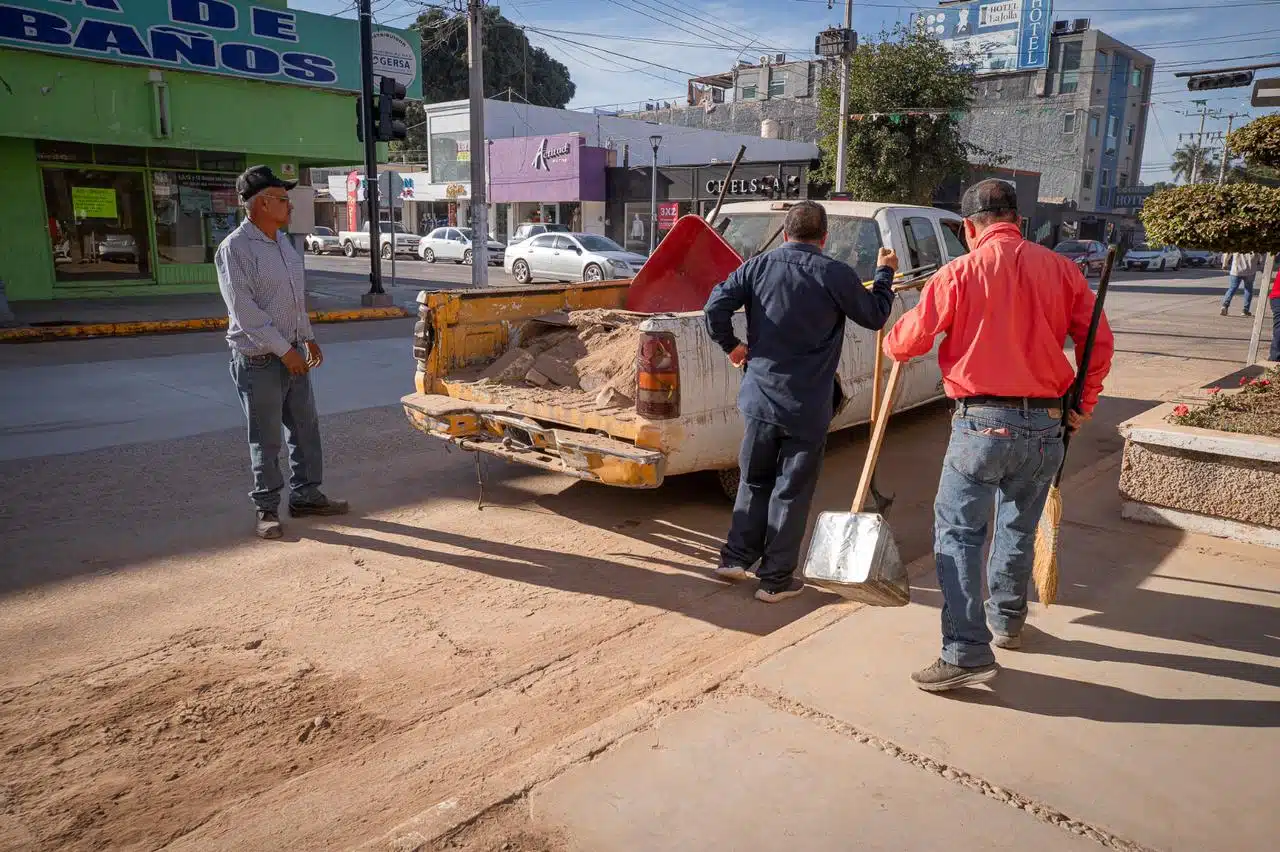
x,y
119,155
451,157
173,158
635,234
922,242
193,214
220,161
97,224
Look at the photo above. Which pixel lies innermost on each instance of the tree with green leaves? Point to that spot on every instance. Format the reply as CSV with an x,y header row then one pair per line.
x,y
911,94
1258,142
1234,217
512,68
1190,160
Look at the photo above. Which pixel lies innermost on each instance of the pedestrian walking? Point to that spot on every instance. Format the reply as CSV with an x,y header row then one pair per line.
x,y
1006,310
1275,319
262,280
1242,269
797,300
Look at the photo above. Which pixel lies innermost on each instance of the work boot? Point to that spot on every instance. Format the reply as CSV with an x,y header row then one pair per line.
x,y
268,525
1248,313
794,587
1224,312
320,505
1009,642
942,676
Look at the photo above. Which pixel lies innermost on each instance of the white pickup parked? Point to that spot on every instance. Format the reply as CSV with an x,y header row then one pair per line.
x,y
698,427
358,241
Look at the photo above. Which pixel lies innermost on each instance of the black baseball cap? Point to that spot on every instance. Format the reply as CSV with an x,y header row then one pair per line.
x,y
257,178
989,196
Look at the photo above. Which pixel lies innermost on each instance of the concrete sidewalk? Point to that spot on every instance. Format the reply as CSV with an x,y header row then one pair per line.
x,y
1142,714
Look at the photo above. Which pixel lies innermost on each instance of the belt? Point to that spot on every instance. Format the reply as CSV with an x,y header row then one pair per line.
x,y
1012,401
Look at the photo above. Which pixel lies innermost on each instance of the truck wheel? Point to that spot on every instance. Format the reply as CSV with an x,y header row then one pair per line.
x,y
520,271
729,480
349,248
386,252
593,272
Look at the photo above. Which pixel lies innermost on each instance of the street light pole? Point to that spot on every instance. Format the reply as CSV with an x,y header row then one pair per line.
x,y
655,141
842,139
479,199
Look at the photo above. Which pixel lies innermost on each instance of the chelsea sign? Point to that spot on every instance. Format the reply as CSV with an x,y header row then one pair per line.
x,y
229,37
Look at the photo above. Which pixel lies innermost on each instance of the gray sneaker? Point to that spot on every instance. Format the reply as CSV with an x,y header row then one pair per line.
x,y
792,589
735,573
942,676
1009,643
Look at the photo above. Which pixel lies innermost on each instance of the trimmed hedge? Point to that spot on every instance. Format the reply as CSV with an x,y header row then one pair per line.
x,y
1258,141
1234,217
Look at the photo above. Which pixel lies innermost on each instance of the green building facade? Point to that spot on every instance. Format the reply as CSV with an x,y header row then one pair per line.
x,y
123,124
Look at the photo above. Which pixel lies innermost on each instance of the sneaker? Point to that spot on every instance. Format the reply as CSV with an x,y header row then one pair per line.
x,y
1224,312
942,676
268,526
735,573
320,506
1009,643
793,588
1247,313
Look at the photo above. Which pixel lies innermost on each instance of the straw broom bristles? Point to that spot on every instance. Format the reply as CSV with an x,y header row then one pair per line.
x,y
1045,571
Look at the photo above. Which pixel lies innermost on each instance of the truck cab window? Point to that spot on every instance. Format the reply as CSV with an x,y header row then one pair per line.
x,y
951,235
922,242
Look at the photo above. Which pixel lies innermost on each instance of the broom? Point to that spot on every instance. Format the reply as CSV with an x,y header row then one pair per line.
x,y
1045,571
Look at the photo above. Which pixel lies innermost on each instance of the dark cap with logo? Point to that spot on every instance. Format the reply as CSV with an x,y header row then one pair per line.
x,y
989,196
257,178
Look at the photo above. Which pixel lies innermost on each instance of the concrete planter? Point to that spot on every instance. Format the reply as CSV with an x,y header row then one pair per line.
x,y
1225,484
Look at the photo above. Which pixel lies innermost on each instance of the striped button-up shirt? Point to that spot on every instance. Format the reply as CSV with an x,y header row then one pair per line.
x,y
263,282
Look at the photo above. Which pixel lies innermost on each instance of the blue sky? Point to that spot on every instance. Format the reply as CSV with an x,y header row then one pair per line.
x,y
589,35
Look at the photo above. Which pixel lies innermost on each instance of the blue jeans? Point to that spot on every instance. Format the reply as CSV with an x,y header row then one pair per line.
x,y
1275,329
779,474
272,398
1234,283
1000,461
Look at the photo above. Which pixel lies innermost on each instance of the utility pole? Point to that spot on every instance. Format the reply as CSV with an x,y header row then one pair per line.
x,y
1199,146
376,295
842,139
1226,146
479,201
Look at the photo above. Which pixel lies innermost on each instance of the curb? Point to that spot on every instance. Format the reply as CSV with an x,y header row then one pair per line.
x,y
85,331
512,783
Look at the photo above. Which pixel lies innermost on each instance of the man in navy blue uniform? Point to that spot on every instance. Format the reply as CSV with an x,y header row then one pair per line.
x,y
797,300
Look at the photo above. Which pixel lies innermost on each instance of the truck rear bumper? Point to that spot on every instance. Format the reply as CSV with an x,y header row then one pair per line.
x,y
498,431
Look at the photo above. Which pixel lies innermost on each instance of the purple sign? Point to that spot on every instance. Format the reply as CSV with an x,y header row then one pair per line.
x,y
546,169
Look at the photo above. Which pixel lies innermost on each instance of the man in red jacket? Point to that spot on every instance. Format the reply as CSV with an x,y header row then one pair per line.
x,y
1275,319
1006,310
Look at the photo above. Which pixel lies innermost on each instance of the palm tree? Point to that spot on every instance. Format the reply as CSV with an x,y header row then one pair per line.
x,y
1192,159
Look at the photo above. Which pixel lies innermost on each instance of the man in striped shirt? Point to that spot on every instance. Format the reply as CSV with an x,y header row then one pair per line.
x,y
262,280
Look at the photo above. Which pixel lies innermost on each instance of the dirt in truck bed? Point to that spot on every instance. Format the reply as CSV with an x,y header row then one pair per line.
x,y
580,354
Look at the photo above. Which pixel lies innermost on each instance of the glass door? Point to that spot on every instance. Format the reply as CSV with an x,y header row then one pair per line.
x,y
98,224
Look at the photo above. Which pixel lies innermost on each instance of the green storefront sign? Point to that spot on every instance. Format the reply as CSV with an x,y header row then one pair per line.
x,y
227,37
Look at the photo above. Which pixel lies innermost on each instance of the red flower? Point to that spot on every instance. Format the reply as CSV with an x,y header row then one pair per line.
x,y
1181,411
1244,380
1263,383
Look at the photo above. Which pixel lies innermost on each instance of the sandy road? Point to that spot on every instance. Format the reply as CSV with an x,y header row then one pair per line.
x,y
169,683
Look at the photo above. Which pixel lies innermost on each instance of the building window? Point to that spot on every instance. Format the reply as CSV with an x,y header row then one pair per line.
x,y
451,157
1136,78
1093,125
1100,62
1086,179
1106,178
749,92
1130,133
777,86
97,224
1069,122
1123,180
1069,68
193,214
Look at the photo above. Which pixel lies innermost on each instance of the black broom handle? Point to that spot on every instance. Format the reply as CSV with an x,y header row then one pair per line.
x,y
1077,387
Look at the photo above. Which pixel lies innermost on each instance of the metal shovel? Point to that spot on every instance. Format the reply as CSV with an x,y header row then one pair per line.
x,y
854,553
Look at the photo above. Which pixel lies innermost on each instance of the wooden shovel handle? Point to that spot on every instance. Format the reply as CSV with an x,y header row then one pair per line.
x,y
877,438
877,380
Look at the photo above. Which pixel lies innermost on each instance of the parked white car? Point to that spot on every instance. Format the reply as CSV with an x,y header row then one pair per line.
x,y
456,244
571,257
323,240
1143,256
531,229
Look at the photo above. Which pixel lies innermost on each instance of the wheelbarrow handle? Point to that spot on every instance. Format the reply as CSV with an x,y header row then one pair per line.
x,y
877,438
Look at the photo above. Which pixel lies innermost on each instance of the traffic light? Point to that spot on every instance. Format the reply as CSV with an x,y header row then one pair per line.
x,y
1229,80
393,110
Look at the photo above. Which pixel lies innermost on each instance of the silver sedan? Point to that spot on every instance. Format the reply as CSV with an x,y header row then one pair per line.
x,y
571,257
456,244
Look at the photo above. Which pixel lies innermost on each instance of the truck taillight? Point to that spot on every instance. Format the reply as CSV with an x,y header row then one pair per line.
x,y
658,376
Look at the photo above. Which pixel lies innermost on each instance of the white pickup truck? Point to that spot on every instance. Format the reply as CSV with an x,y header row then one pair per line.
x,y
692,423
357,241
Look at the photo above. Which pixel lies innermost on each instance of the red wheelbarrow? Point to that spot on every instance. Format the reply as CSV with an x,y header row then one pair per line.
x,y
683,270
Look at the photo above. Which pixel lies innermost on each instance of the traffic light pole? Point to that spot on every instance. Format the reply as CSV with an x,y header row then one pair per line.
x,y
479,205
370,154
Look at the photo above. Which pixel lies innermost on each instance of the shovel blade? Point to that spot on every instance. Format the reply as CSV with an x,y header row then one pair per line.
x,y
856,556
